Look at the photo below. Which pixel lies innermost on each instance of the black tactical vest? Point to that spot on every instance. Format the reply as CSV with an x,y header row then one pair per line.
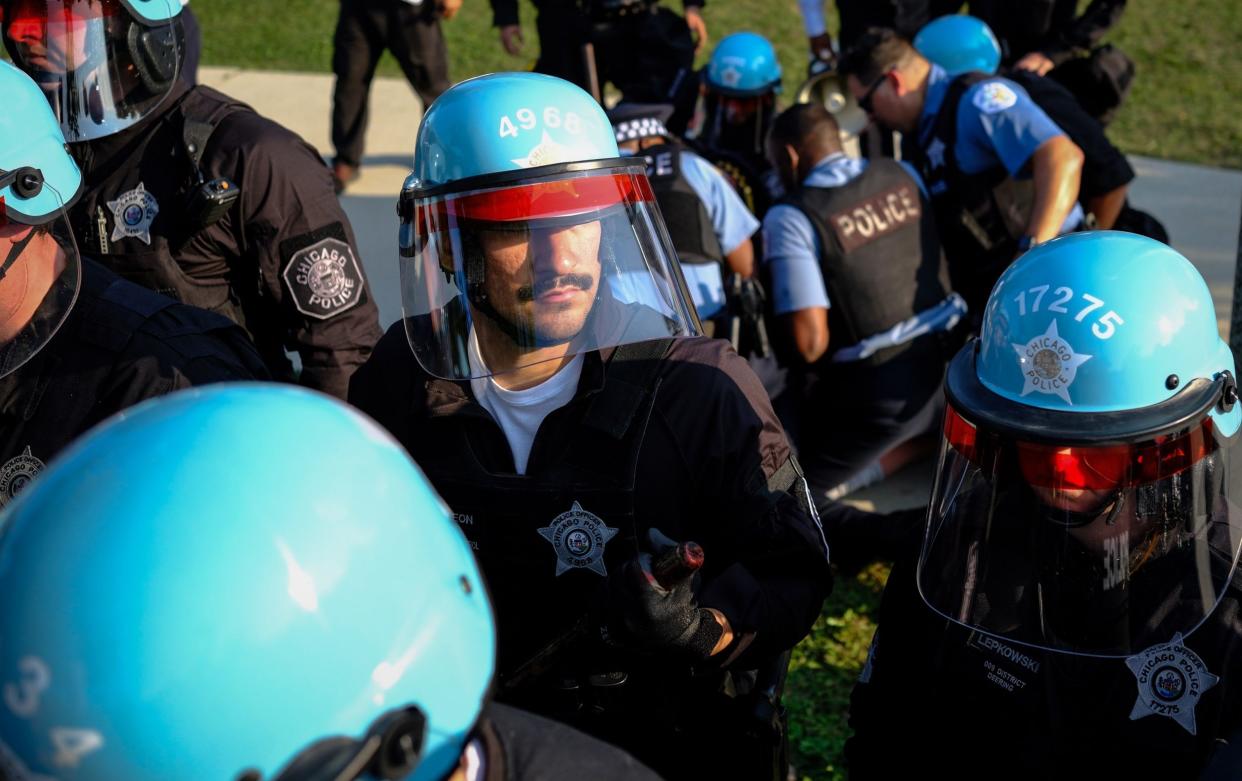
x,y
685,216
981,216
559,532
133,219
881,259
55,397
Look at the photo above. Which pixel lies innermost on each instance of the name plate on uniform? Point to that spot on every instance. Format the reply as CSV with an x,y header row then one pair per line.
x,y
876,217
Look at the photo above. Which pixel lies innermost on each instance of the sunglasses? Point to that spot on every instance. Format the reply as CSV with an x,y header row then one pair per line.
x,y
865,101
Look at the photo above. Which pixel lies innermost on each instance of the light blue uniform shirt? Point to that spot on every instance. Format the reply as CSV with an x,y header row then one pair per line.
x,y
997,124
792,249
791,246
732,223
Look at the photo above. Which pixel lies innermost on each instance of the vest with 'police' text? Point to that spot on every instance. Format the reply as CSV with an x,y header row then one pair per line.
x,y
879,253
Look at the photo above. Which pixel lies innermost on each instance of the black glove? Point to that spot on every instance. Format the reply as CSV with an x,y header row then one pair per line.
x,y
648,615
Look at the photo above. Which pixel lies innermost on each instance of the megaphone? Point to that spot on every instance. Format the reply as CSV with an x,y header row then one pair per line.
x,y
827,88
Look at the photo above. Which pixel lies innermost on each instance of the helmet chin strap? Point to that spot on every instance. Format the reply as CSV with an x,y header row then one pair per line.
x,y
15,252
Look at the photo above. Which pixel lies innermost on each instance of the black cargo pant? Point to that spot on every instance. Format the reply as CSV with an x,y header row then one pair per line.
x,y
364,29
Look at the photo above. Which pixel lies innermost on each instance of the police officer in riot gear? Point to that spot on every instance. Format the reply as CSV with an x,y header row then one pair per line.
x,y
709,225
861,286
559,399
740,85
190,193
76,342
961,44
1002,176
359,645
1074,606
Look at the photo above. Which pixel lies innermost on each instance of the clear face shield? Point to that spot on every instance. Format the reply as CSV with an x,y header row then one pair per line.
x,y
102,68
38,259
535,268
1090,549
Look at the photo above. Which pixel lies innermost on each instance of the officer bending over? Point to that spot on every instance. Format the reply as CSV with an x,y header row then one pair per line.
x,y
560,400
78,343
709,225
961,44
1002,176
740,84
191,193
1074,609
862,288
358,643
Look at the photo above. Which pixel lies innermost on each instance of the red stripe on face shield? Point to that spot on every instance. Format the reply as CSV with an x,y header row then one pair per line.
x,y
543,200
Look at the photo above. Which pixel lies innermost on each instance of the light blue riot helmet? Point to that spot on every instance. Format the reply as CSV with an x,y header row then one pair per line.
x,y
743,65
959,44
103,65
1084,500
38,180
245,581
523,232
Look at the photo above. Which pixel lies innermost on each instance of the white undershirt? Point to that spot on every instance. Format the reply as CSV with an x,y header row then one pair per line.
x,y
521,412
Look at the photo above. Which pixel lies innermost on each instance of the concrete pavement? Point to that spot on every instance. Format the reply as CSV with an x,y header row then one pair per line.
x,y
1200,206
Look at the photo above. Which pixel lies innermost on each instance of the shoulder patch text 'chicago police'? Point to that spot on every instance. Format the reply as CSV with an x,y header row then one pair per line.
x,y
324,278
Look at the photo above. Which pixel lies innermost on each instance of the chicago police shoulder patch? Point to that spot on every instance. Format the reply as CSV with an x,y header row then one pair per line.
x,y
321,274
994,96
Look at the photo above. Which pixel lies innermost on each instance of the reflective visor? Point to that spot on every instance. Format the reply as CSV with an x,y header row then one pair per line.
x,y
1099,467
1091,549
101,68
540,266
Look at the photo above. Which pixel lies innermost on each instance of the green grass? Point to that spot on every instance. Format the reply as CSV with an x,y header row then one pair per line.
x,y
1184,106
823,670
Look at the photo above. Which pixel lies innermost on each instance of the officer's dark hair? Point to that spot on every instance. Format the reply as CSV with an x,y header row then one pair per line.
x,y
877,51
807,127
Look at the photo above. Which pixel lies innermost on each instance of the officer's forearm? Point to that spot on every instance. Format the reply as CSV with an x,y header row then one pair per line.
x,y
741,259
809,328
1056,168
1107,206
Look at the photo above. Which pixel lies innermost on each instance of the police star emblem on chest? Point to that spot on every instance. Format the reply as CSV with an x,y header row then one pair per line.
x,y
324,279
1171,678
16,474
578,536
133,213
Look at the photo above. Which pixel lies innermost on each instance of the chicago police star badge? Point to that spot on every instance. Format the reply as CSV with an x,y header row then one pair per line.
x,y
578,537
133,213
17,473
1049,364
1170,679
